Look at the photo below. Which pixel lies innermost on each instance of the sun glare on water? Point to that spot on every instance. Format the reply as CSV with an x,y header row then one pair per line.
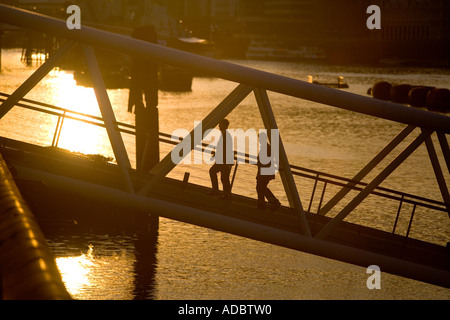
x,y
76,271
75,135
89,273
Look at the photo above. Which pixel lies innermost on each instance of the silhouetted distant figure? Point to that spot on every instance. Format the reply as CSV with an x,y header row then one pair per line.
x,y
143,98
222,163
144,75
263,178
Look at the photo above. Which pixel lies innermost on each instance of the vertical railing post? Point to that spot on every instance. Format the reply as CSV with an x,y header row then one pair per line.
x,y
322,196
58,129
234,176
411,220
398,213
313,192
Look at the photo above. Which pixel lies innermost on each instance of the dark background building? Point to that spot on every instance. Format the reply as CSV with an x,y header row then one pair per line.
x,y
412,31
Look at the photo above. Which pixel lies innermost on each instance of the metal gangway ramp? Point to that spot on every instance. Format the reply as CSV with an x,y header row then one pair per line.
x,y
292,226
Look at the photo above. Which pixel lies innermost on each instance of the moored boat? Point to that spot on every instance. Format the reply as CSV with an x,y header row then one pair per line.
x,y
340,84
276,50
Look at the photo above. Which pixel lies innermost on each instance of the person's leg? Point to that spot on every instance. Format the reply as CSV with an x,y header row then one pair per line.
x,y
214,182
225,178
261,186
274,203
261,203
268,194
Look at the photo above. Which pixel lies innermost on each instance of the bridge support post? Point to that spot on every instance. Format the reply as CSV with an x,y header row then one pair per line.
x,y
146,247
144,81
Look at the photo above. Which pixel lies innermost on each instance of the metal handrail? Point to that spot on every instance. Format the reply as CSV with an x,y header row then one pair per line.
x,y
358,185
228,71
24,275
95,120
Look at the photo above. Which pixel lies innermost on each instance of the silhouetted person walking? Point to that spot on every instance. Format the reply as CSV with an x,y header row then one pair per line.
x,y
224,146
263,178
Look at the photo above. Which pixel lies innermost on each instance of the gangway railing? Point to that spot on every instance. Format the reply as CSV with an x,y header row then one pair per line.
x,y
249,81
242,157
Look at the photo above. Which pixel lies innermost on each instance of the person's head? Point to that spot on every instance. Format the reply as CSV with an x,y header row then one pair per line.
x,y
223,124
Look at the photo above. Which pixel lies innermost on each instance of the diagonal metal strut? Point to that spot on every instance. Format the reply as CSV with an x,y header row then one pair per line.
x,y
108,115
330,226
445,148
438,173
367,169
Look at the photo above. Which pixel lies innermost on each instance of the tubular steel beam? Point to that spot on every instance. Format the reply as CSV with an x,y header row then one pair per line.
x,y
228,71
27,267
330,226
243,228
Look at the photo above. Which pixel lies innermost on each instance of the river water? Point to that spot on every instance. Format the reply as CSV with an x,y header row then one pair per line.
x,y
189,262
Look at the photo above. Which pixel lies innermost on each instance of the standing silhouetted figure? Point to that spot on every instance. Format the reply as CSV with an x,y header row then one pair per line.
x,y
224,146
263,179
143,98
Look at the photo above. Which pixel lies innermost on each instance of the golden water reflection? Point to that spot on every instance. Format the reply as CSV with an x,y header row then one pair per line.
x,y
76,271
66,93
75,135
88,274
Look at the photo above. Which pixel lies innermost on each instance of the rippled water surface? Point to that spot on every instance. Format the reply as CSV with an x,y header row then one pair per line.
x,y
189,262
